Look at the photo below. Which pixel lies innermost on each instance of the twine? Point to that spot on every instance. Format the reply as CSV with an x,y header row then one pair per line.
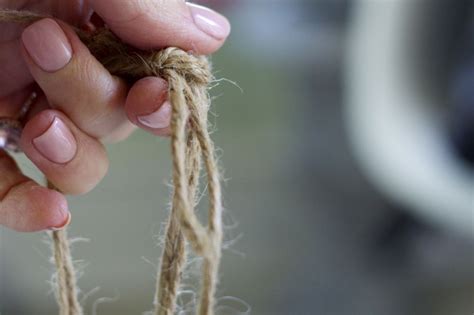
x,y
66,280
188,77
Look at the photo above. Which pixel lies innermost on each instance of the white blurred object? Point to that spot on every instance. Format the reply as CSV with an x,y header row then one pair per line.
x,y
393,123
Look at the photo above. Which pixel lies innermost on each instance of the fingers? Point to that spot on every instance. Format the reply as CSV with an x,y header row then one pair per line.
x,y
74,81
72,160
162,23
147,106
75,12
24,205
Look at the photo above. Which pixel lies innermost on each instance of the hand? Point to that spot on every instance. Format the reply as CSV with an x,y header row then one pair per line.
x,y
80,103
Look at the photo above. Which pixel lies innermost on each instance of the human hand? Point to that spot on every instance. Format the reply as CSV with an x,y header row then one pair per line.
x,y
80,104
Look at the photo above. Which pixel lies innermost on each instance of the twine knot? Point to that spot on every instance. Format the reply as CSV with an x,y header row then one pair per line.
x,y
132,64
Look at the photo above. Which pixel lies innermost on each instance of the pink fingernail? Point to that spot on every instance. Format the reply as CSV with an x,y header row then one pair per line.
x,y
47,45
209,21
159,119
57,143
64,225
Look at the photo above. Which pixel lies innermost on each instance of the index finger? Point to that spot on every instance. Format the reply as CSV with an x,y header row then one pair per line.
x,y
155,24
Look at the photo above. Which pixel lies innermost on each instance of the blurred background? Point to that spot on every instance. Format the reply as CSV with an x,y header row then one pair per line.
x,y
348,147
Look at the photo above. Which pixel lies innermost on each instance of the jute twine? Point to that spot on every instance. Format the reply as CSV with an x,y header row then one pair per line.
x,y
188,77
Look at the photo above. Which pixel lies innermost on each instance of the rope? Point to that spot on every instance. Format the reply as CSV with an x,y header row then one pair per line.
x,y
66,282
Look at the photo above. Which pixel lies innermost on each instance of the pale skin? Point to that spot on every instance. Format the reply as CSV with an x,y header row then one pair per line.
x,y
80,104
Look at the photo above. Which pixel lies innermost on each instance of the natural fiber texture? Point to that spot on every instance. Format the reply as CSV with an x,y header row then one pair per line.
x,y
66,293
66,287
188,77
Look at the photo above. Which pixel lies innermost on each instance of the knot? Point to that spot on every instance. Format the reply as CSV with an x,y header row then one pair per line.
x,y
132,64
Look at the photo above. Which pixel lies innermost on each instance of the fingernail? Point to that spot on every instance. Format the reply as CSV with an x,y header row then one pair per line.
x,y
56,144
47,45
64,225
159,119
209,21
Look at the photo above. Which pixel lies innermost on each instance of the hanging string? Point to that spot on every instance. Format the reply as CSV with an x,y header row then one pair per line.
x,y
188,77
66,282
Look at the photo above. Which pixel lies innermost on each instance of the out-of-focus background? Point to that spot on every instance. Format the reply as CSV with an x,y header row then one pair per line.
x,y
348,148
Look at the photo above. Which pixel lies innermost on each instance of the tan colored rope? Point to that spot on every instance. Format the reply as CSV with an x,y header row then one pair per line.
x,y
66,292
66,282
188,77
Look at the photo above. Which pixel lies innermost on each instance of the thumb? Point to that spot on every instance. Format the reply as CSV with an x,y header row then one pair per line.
x,y
162,23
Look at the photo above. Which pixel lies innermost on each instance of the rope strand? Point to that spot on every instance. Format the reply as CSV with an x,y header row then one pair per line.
x,y
66,287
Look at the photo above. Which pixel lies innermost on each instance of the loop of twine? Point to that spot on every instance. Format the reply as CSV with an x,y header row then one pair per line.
x,y
188,77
